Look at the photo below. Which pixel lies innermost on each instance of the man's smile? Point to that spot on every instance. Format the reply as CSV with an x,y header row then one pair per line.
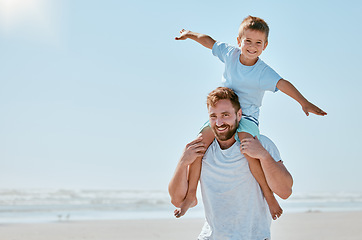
x,y
222,128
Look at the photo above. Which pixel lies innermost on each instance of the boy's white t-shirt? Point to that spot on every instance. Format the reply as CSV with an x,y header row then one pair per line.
x,y
234,204
248,82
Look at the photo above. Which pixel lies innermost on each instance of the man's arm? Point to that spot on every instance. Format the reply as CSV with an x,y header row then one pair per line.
x,y
277,176
178,185
203,39
308,107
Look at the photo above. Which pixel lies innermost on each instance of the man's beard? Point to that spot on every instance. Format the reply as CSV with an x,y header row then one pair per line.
x,y
228,134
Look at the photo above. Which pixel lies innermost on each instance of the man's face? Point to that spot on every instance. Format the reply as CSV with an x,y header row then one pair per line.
x,y
224,120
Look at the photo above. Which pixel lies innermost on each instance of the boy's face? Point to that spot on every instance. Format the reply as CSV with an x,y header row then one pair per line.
x,y
252,43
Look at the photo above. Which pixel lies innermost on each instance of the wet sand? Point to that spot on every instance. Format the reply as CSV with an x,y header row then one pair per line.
x,y
296,226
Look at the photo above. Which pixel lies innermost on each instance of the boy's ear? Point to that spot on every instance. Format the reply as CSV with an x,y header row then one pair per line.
x,y
239,41
265,45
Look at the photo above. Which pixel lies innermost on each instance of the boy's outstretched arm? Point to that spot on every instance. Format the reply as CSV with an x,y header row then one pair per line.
x,y
203,39
308,107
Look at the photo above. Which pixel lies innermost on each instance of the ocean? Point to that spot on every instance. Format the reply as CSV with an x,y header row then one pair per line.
x,y
21,206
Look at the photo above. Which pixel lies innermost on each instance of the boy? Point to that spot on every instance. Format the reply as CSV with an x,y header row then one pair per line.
x,y
249,77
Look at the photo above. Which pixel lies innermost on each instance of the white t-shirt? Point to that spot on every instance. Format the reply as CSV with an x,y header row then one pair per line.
x,y
248,82
235,208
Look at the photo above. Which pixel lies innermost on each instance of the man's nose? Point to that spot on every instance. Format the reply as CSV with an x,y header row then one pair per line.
x,y
219,122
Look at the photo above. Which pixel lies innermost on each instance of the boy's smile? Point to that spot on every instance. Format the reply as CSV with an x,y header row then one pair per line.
x,y
252,43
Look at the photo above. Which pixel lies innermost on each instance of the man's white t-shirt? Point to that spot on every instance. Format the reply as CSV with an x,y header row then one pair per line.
x,y
235,208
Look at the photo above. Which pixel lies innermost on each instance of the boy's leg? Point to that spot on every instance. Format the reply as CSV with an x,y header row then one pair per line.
x,y
194,176
257,171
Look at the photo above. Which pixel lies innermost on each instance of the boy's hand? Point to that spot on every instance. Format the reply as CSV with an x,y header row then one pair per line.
x,y
311,108
203,39
183,35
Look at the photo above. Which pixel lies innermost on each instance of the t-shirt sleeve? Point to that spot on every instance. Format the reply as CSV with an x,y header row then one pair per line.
x,y
222,50
269,79
270,147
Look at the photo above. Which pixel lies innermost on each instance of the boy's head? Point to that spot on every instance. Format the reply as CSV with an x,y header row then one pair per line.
x,y
254,23
252,39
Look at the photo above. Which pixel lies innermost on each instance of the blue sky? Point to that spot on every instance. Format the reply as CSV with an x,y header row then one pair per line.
x,y
98,94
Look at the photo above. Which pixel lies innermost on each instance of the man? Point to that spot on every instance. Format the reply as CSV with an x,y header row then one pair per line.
x,y
234,204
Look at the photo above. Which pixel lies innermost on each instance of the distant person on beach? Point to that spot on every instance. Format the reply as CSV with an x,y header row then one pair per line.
x,y
249,77
234,204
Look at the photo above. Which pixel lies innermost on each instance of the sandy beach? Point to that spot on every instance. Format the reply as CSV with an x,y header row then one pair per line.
x,y
296,226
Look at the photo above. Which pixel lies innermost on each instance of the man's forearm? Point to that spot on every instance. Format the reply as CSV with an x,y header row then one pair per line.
x,y
178,185
278,178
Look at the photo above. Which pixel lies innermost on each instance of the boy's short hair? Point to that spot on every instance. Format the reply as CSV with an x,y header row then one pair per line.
x,y
254,23
223,93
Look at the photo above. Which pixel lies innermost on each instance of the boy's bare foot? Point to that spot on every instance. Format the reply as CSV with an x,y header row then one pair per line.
x,y
274,208
189,202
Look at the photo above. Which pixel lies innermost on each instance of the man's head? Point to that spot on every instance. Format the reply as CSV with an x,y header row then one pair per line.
x,y
224,112
253,36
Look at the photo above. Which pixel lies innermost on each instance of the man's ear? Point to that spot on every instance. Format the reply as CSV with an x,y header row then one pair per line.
x,y
265,45
238,115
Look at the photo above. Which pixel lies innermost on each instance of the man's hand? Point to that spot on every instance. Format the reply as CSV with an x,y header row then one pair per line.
x,y
309,107
192,151
253,148
183,35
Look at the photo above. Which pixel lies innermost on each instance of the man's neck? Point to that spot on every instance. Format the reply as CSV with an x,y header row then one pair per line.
x,y
226,144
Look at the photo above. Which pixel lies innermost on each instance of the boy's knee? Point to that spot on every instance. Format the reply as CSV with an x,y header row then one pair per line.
x,y
243,135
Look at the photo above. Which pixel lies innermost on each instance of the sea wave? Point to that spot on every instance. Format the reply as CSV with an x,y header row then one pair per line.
x,y
44,205
121,199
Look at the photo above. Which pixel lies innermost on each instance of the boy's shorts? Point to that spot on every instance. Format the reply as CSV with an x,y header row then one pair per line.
x,y
247,124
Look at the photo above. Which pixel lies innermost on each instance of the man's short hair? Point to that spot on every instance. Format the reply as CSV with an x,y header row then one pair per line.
x,y
223,93
254,23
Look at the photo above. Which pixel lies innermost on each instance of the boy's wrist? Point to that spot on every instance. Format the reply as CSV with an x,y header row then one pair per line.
x,y
304,102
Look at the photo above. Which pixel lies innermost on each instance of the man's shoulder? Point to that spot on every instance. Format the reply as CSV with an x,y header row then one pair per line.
x,y
265,139
266,142
270,146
